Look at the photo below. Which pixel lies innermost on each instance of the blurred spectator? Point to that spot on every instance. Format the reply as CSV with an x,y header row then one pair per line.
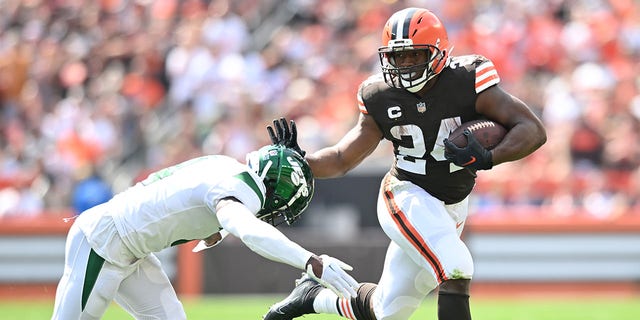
x,y
90,190
586,146
127,86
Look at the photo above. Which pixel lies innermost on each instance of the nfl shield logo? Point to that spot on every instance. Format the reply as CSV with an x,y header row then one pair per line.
x,y
422,107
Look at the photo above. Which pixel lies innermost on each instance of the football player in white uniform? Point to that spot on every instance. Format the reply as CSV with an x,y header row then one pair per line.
x,y
109,249
422,94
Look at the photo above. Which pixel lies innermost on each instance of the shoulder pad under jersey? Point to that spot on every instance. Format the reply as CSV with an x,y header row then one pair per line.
x,y
368,87
483,70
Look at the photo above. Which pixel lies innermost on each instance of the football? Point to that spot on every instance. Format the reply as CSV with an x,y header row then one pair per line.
x,y
488,133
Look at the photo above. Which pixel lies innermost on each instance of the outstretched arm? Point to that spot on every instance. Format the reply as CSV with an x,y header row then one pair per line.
x,y
267,241
350,151
338,159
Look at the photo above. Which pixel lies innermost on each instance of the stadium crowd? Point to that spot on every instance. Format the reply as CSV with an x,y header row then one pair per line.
x,y
95,94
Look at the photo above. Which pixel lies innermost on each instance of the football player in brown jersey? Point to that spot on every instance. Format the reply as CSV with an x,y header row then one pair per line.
x,y
422,94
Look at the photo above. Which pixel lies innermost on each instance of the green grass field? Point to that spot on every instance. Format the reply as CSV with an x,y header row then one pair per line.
x,y
252,307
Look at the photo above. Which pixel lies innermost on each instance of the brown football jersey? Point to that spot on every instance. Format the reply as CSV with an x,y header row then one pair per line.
x,y
417,125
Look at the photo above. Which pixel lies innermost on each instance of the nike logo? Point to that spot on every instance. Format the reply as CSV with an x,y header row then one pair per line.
x,y
459,224
278,309
473,159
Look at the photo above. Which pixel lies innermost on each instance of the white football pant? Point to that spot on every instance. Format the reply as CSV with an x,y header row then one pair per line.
x,y
142,289
425,248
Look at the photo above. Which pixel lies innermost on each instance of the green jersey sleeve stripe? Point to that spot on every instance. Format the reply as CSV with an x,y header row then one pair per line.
x,y
246,178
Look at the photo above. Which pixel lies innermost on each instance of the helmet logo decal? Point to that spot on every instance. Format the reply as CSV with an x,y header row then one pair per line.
x,y
297,177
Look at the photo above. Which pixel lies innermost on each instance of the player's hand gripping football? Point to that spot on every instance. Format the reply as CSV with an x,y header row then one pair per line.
x,y
473,155
283,135
330,272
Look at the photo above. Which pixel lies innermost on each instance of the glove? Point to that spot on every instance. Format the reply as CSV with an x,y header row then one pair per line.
x,y
282,135
474,155
329,272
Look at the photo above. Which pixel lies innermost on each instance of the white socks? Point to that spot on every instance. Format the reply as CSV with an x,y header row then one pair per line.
x,y
328,302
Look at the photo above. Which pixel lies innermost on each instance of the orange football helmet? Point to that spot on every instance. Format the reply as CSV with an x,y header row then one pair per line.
x,y
413,29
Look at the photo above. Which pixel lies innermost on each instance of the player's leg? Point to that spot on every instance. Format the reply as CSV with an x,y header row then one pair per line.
x,y
404,284
402,287
426,231
453,300
85,289
147,292
453,294
310,297
428,251
400,291
68,302
299,302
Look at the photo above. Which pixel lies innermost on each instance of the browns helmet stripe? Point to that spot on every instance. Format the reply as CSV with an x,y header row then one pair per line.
x,y
400,28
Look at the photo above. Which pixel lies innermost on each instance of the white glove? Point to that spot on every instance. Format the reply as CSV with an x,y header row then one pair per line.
x,y
334,277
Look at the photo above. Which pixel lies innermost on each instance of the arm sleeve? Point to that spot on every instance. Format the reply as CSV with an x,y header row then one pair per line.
x,y
261,237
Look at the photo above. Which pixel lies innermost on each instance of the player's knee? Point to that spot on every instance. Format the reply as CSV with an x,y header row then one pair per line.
x,y
460,264
363,309
455,286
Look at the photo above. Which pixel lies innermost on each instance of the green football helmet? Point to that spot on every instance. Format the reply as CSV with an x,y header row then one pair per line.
x,y
288,180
